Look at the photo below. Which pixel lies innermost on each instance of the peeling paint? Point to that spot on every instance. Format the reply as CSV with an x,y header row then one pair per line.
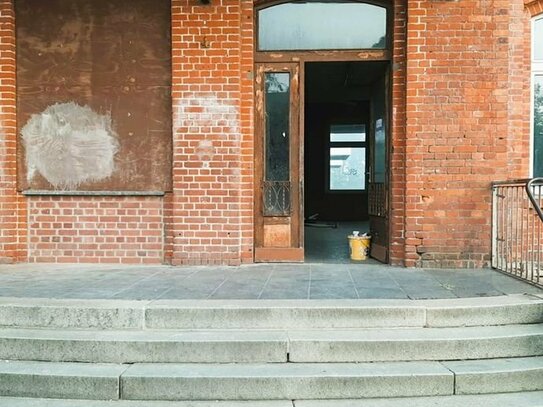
x,y
69,145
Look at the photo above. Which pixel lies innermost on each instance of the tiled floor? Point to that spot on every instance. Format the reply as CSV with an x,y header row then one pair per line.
x,y
325,244
266,281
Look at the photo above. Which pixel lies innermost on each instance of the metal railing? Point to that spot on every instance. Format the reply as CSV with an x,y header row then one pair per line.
x,y
517,229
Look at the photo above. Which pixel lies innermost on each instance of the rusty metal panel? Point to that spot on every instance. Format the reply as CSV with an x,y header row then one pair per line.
x,y
94,95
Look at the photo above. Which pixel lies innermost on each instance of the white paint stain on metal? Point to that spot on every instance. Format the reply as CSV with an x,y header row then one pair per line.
x,y
69,145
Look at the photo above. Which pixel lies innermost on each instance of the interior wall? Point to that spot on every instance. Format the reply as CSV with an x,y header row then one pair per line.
x,y
341,206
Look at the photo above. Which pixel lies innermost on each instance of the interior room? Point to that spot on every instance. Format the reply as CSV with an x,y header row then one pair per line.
x,y
342,100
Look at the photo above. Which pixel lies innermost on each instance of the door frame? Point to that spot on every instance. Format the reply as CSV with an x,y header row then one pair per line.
x,y
302,57
292,250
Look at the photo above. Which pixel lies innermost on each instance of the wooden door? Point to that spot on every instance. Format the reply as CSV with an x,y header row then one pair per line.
x,y
378,171
278,186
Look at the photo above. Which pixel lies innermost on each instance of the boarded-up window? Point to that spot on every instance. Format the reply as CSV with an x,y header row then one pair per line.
x,y
94,95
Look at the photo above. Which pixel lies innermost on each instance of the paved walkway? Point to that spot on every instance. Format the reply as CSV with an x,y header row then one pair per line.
x,y
264,281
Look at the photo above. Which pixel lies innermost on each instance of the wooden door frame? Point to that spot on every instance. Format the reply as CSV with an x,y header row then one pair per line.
x,y
301,58
295,251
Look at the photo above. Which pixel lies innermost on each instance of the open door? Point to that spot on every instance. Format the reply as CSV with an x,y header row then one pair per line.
x,y
278,203
378,171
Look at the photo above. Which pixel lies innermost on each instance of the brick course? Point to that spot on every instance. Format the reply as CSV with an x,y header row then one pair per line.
x,y
96,229
208,145
460,99
467,96
12,205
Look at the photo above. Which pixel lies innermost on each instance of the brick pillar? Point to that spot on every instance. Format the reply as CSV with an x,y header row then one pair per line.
x,y
458,120
519,88
398,153
12,204
247,131
207,143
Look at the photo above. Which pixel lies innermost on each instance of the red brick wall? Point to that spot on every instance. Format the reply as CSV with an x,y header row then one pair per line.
x,y
12,205
461,124
247,130
212,160
459,108
96,229
398,151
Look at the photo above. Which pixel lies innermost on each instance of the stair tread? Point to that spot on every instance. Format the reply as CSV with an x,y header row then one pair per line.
x,y
495,365
270,369
524,399
31,402
67,369
269,314
268,335
284,370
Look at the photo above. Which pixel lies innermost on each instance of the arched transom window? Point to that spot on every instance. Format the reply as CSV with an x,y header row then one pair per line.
x,y
322,25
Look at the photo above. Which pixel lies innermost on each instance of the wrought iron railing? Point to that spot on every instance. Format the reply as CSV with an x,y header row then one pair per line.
x,y
517,229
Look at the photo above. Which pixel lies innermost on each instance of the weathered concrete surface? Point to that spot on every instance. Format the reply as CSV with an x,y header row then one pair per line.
x,y
415,344
60,380
284,381
497,375
528,399
144,346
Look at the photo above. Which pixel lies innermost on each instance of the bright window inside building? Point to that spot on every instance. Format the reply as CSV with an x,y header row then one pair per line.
x,y
537,96
347,157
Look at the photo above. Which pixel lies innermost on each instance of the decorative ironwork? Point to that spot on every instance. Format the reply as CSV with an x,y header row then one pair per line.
x,y
517,229
377,199
276,196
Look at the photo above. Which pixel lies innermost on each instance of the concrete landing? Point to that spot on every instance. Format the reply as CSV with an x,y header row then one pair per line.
x,y
260,281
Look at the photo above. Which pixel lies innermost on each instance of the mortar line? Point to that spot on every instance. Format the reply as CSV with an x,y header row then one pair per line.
x,y
266,283
440,283
219,286
171,288
135,283
398,284
309,285
352,281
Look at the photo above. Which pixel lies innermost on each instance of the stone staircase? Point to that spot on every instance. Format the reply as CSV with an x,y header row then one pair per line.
x,y
316,353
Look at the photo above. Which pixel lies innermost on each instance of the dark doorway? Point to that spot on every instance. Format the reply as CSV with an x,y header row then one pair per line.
x,y
344,111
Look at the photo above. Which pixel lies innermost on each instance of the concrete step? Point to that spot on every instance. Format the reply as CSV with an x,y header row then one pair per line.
x,y
268,381
439,344
269,314
60,380
30,402
143,346
526,399
289,381
250,346
498,375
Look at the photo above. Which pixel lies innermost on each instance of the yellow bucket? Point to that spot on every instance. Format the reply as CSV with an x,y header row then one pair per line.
x,y
360,247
